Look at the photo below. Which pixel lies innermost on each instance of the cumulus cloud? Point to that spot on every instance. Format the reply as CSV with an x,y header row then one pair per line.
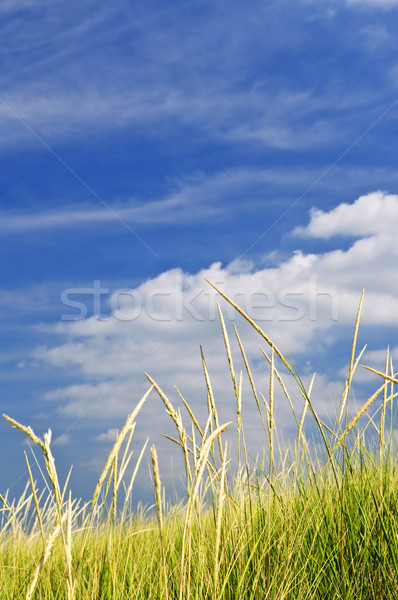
x,y
375,213
303,304
306,304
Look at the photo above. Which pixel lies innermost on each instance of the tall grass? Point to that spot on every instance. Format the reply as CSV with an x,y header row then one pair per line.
x,y
304,522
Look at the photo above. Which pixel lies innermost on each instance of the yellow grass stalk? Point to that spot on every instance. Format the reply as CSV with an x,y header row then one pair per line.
x,y
126,456
253,324
344,396
359,414
190,412
391,412
52,474
66,483
26,430
381,374
43,559
119,440
139,459
249,374
37,507
211,398
228,349
281,382
239,403
48,456
352,358
186,542
383,412
176,417
122,469
115,486
267,411
13,512
194,448
220,505
158,499
271,413
68,547
301,425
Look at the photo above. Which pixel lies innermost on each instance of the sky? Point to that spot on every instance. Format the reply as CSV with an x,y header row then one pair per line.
x,y
146,147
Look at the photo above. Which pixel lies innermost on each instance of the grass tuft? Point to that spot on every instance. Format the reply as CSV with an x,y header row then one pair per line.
x,y
304,522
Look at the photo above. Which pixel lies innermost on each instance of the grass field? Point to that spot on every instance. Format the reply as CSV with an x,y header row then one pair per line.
x,y
300,524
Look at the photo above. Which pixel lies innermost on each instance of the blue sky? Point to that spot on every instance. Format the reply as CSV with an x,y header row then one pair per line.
x,y
147,146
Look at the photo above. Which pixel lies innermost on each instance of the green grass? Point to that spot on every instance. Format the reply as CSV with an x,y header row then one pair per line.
x,y
300,524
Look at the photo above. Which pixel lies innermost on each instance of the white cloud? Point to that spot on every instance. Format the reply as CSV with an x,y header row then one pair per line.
x,y
306,304
375,213
189,199
170,79
107,436
375,3
8,6
222,113
301,304
62,440
376,35
199,196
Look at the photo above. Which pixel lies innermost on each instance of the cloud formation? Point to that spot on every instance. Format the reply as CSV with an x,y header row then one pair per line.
x,y
375,3
371,214
303,304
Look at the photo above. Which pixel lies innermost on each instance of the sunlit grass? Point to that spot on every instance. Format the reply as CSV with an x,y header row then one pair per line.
x,y
300,524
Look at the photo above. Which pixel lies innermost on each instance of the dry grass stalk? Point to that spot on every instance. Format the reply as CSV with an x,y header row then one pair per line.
x,y
131,483
390,378
211,400
352,358
68,550
159,512
271,425
359,414
250,376
383,411
190,412
282,384
228,349
115,450
301,425
344,395
239,403
43,559
37,507
15,521
115,486
52,474
26,430
186,542
126,457
220,505
253,324
176,417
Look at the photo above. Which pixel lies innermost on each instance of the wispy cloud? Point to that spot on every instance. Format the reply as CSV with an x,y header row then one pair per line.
x,y
375,3
168,79
190,199
199,197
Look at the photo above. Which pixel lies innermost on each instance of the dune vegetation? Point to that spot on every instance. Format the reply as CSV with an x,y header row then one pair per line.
x,y
307,521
